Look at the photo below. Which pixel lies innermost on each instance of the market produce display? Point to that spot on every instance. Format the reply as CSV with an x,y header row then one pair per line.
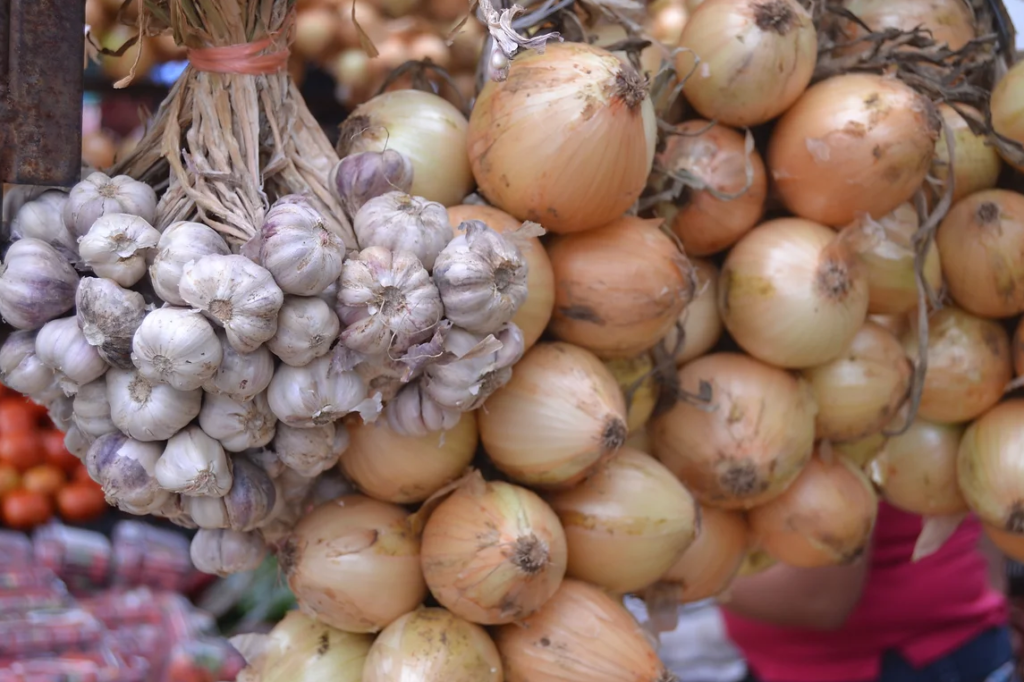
x,y
595,301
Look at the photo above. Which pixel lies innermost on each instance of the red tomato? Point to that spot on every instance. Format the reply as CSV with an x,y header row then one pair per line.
x,y
44,478
20,449
55,453
81,501
18,414
81,473
9,479
25,509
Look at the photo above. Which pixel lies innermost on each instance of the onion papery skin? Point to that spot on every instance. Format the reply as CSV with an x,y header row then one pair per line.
x,y
1007,107
559,416
639,388
493,552
749,444
535,313
1010,544
990,468
407,469
757,57
977,163
949,21
433,644
700,325
619,288
717,156
863,450
627,524
860,391
1018,349
533,137
825,518
756,561
580,634
981,243
916,470
852,144
792,293
354,563
301,649
968,365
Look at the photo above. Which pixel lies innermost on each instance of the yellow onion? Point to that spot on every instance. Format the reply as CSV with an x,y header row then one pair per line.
x,y
608,34
749,443
493,552
1007,107
535,313
317,33
618,288
792,293
567,140
717,158
860,391
433,644
981,243
636,379
699,326
640,440
756,58
354,563
916,470
667,20
427,129
824,518
1010,544
897,324
862,450
580,634
852,144
990,469
756,561
559,416
98,149
977,164
407,469
627,524
301,649
1018,349
968,365
950,22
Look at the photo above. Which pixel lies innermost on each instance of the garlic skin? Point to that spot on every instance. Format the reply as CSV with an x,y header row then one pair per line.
x,y
225,552
60,410
99,195
149,411
267,460
178,347
241,376
62,347
330,294
245,507
357,178
194,464
37,284
473,367
91,410
77,443
116,247
306,328
318,394
21,369
310,452
42,219
125,468
414,413
235,293
109,316
298,248
180,243
387,300
398,221
481,277
238,425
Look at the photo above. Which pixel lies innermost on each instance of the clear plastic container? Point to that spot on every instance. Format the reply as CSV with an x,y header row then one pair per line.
x,y
82,558
48,632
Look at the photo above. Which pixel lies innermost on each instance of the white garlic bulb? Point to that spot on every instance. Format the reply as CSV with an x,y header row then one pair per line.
x,y
91,410
180,243
116,247
245,507
37,284
414,413
298,247
20,368
194,464
62,347
401,222
481,276
357,178
318,394
224,552
473,367
42,219
99,195
109,315
330,294
267,460
60,410
149,411
387,300
310,452
241,376
77,443
237,294
306,328
178,347
238,425
125,468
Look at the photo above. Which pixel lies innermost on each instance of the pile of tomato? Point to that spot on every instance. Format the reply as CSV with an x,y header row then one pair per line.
x,y
38,476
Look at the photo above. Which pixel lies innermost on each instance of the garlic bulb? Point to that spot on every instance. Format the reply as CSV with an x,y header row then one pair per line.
x,y
267,460
357,178
194,464
99,195
62,347
42,219
298,248
149,411
387,300
318,394
37,284
59,409
414,413
91,410
76,442
20,368
398,221
238,425
180,243
310,452
109,315
236,293
116,247
124,468
473,367
178,347
245,507
225,552
306,328
330,294
481,276
241,376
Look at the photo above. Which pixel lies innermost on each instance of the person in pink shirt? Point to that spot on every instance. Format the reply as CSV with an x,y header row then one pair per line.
x,y
883,618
